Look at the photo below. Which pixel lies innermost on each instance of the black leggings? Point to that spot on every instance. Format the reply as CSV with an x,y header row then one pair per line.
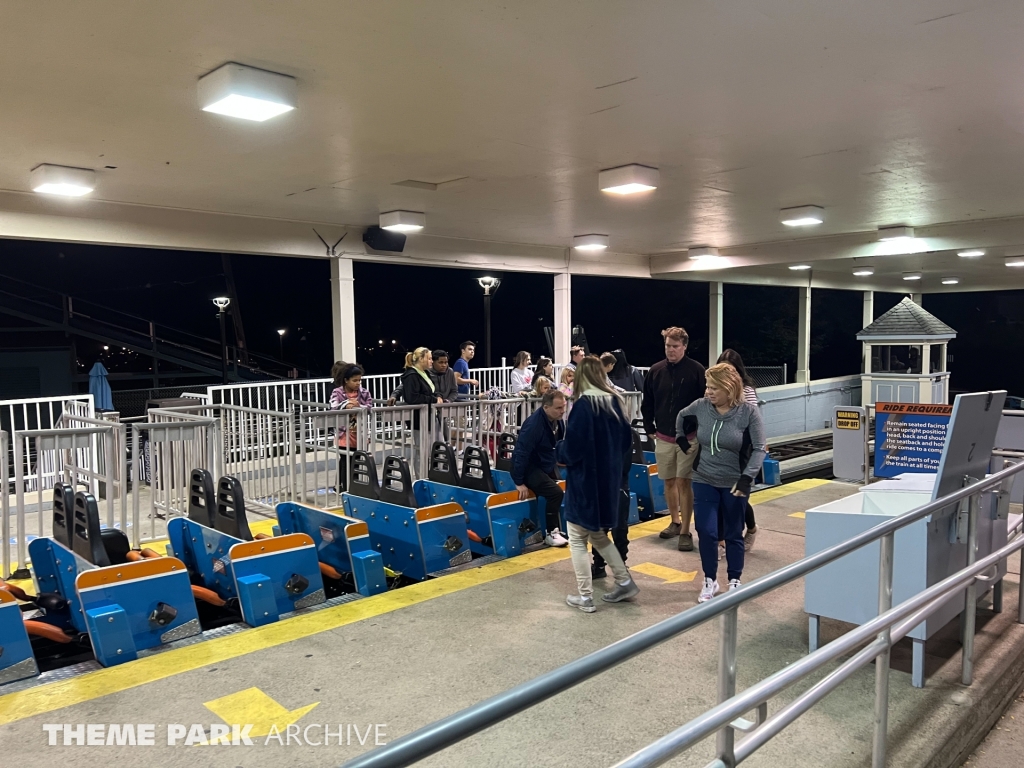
x,y
748,518
620,533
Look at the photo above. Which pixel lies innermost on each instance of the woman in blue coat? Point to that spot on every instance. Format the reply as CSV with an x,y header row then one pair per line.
x,y
597,439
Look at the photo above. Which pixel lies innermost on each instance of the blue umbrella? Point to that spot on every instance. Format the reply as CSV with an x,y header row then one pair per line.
x,y
99,388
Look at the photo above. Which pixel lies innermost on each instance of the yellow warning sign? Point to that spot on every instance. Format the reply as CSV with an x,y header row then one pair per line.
x,y
847,420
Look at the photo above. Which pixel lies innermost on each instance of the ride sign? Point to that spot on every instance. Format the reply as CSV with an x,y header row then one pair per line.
x,y
909,437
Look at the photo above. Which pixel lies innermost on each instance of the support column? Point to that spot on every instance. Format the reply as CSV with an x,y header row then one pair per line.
x,y
563,317
917,298
716,304
867,318
343,309
803,337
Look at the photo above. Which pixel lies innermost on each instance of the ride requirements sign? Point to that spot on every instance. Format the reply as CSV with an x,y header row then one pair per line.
x,y
909,437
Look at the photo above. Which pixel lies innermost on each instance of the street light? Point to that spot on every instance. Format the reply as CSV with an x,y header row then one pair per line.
x,y
280,337
490,286
222,303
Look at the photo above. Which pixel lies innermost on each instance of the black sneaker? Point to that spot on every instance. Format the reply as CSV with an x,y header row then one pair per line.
x,y
598,572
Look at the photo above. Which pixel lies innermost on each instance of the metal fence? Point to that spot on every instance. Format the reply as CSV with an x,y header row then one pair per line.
x,y
130,403
38,413
767,375
869,643
254,445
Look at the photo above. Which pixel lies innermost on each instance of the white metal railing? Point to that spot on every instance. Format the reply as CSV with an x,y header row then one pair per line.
x,y
74,450
871,643
254,445
39,413
174,448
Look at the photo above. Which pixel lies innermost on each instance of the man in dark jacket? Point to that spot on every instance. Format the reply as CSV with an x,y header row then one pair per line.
x,y
671,385
533,461
444,377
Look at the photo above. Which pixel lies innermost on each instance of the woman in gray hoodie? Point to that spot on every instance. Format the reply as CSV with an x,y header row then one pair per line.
x,y
731,438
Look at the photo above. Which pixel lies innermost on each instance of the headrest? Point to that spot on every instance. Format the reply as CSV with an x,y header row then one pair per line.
x,y
202,497
476,470
396,487
86,539
63,512
506,446
364,475
230,517
443,466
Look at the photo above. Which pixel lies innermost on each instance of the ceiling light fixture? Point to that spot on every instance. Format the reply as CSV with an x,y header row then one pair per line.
x,y
912,275
403,221
950,280
896,233
799,267
628,179
62,180
590,242
248,93
702,252
803,216
863,271
971,254
1014,261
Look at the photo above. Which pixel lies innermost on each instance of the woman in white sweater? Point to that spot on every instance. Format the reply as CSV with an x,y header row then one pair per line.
x,y
521,378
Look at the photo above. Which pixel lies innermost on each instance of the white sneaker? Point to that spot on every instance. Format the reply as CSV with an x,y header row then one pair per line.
x,y
710,590
556,539
721,550
734,584
748,540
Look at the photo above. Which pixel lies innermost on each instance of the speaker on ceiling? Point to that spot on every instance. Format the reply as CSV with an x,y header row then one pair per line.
x,y
382,240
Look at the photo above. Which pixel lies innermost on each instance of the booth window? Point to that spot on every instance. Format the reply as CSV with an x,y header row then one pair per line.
x,y
896,358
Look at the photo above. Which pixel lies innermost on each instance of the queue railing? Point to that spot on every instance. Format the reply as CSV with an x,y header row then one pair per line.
x,y
869,643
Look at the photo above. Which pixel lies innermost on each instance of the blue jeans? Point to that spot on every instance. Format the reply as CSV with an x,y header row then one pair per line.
x,y
707,500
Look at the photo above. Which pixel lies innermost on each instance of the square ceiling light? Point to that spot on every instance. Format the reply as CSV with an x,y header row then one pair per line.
x,y
702,252
247,93
590,242
950,280
863,270
403,221
61,180
802,216
628,179
896,233
912,275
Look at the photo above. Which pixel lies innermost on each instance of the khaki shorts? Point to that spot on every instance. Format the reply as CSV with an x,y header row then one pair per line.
x,y
672,462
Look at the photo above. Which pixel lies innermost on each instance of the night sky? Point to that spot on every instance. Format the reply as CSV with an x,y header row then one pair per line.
x,y
437,307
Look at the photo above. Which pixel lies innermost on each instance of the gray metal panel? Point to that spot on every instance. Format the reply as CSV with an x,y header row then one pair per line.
x,y
849,446
969,440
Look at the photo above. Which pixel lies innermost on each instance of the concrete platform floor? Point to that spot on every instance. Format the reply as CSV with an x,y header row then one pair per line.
x,y
411,656
1004,745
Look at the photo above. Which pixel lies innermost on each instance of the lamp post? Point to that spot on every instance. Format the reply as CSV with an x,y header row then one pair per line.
x,y
280,337
222,303
490,285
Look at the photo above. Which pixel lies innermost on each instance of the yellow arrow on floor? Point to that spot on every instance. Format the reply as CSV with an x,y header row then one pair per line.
x,y
253,707
668,575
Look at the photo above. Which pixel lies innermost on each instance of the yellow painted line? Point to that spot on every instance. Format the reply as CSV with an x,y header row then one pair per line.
x,y
781,491
253,707
103,682
799,515
668,575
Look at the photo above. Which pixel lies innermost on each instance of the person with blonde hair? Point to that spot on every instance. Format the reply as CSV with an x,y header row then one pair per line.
x,y
597,440
565,380
730,439
541,386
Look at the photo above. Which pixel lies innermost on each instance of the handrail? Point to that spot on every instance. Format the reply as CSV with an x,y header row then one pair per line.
x,y
461,725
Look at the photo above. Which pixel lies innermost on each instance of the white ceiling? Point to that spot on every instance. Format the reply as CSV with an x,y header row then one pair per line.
x,y
883,112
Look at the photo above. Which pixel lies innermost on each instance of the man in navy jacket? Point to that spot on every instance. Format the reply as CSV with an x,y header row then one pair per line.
x,y
533,461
